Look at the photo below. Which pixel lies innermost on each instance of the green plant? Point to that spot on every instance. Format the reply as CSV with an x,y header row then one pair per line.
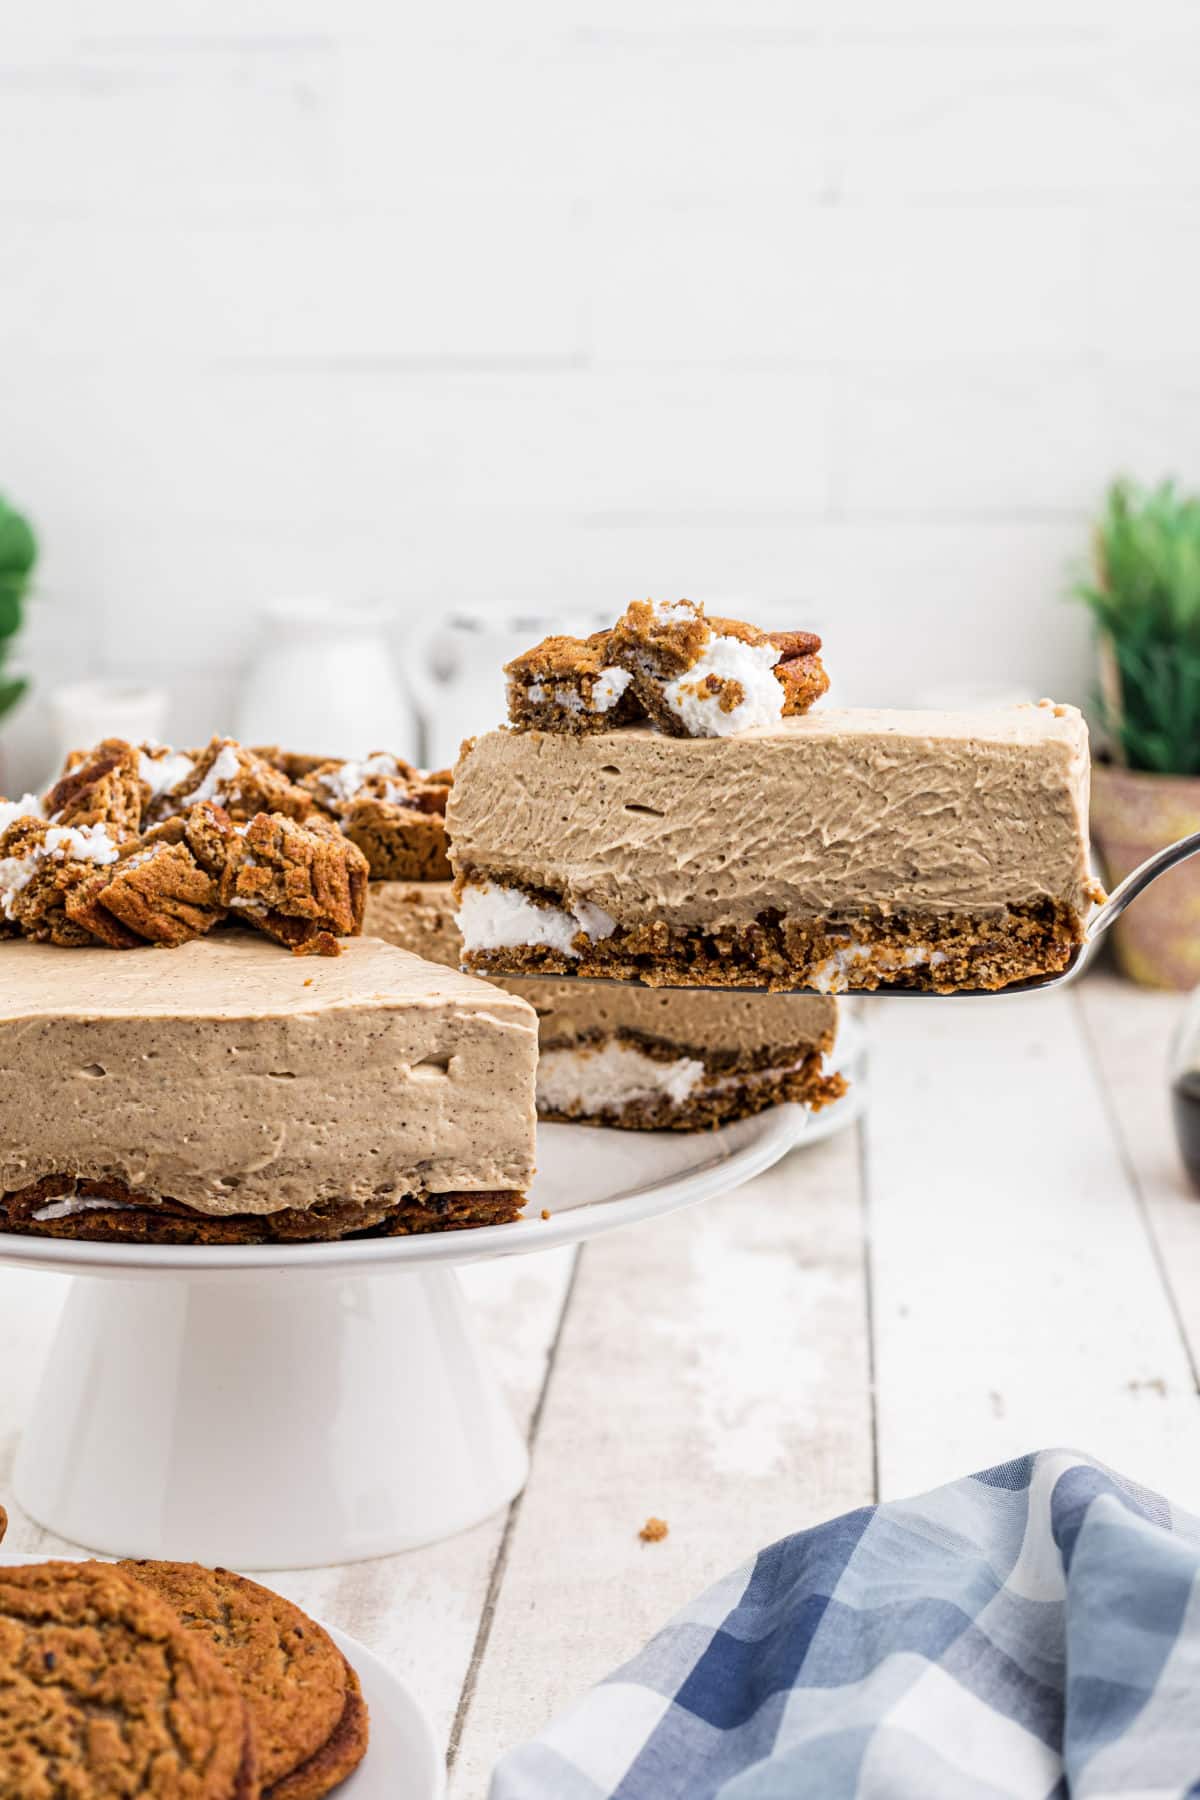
x,y
18,553
1145,599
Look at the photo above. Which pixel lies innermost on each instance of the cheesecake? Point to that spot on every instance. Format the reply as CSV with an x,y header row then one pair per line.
x,y
633,1058
828,850
226,1093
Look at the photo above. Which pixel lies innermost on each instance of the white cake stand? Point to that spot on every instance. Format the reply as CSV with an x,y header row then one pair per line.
x,y
293,1406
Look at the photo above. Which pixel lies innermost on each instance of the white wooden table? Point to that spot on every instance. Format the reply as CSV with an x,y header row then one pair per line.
x,y
1003,1256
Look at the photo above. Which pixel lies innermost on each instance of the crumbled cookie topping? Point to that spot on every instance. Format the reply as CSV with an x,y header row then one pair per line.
x,y
237,780
394,813
294,883
672,665
100,786
148,845
571,679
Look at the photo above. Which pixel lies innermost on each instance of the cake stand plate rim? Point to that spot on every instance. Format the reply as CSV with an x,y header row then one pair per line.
x,y
710,1163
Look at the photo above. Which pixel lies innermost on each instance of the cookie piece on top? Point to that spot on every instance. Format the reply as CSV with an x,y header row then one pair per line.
x,y
570,684
310,1719
669,662
103,1691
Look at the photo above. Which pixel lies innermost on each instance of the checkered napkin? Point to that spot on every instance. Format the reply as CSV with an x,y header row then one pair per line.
x,y
1030,1631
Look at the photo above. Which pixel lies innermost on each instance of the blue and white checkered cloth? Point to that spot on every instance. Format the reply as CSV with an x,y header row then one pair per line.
x,y
1030,1631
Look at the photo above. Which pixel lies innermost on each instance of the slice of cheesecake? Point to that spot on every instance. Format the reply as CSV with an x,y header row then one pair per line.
x,y
639,1059
226,1093
836,850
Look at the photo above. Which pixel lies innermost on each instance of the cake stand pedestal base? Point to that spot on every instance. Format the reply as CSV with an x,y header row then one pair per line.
x,y
265,1421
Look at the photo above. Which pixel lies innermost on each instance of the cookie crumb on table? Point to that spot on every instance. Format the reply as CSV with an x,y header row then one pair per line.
x,y
654,1530
545,1212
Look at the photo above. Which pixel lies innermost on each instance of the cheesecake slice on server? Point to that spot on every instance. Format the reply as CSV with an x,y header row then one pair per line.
x,y
730,837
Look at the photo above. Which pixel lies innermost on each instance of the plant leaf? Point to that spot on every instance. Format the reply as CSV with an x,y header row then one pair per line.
x,y
18,545
10,610
1145,597
11,690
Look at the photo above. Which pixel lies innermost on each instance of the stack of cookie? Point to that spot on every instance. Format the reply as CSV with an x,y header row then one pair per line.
x,y
168,1679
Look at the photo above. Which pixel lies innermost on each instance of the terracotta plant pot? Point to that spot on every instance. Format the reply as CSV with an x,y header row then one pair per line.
x,y
1157,942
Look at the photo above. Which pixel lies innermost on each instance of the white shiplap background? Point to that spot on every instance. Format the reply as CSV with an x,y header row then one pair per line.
x,y
844,307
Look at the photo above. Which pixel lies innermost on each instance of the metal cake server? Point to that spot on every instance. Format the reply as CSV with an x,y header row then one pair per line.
x,y
1100,922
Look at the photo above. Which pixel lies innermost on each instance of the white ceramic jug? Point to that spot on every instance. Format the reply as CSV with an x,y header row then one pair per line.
x,y
324,682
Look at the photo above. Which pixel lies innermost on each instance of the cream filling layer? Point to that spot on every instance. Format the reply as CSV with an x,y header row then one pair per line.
x,y
66,1209
492,917
831,975
607,689
28,807
605,1078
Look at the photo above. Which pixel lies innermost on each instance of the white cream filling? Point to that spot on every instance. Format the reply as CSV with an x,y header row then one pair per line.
x,y
492,917
78,843
830,976
225,767
28,807
608,687
66,1209
163,772
342,784
752,666
616,1074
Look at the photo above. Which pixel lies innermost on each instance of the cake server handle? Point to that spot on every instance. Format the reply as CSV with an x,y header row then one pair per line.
x,y
1137,882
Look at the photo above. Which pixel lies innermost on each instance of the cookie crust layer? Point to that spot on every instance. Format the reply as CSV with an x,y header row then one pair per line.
x,y
111,1212
936,952
715,1094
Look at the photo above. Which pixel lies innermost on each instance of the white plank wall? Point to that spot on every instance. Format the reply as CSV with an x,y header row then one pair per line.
x,y
1004,1256
845,314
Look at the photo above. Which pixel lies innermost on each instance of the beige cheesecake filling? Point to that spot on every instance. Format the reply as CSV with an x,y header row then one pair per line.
x,y
233,1081
819,816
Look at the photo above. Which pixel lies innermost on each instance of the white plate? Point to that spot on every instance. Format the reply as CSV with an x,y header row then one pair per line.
x,y
403,1761
589,1180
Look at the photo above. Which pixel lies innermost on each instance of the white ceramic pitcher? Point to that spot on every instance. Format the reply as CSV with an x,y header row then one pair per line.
x,y
325,683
